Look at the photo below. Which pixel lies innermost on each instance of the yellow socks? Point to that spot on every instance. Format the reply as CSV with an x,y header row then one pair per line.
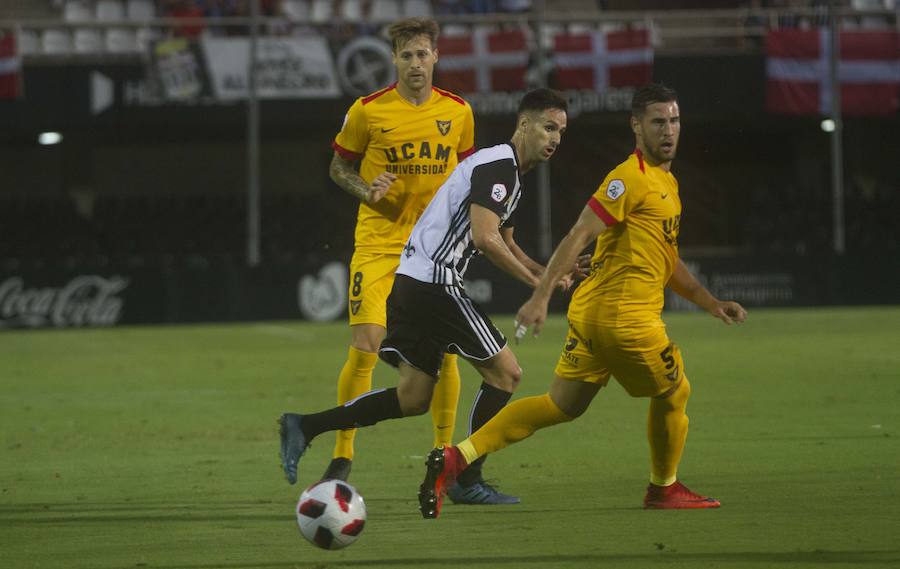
x,y
445,400
355,379
515,422
667,427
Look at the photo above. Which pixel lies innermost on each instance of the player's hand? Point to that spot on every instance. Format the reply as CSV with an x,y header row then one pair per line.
x,y
729,312
578,273
380,186
533,312
566,282
582,267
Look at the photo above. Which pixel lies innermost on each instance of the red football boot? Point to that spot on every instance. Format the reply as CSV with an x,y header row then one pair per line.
x,y
443,464
676,496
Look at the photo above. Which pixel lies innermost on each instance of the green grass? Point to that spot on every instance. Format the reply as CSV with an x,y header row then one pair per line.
x,y
157,447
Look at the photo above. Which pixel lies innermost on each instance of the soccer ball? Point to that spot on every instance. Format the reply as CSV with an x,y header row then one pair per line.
x,y
331,514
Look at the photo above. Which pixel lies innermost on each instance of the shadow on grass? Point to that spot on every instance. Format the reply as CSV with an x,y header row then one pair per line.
x,y
99,513
814,558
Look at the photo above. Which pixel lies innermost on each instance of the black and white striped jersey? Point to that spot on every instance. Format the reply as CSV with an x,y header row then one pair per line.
x,y
440,246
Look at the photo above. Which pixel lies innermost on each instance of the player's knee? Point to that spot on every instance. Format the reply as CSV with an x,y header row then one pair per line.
x,y
367,337
677,395
515,376
509,377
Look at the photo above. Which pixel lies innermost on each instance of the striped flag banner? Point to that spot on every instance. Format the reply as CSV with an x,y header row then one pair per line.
x,y
483,61
601,60
797,72
10,66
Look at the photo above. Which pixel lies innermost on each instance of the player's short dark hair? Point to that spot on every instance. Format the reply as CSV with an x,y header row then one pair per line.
x,y
541,100
649,94
402,31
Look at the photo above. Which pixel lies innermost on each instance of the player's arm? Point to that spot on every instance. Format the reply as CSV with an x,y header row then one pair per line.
x,y
588,227
687,286
536,268
344,174
578,272
486,237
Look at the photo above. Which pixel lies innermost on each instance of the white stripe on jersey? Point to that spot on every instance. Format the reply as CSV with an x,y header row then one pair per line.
x,y
440,245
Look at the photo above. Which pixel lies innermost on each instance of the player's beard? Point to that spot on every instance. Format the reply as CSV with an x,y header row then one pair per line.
x,y
658,155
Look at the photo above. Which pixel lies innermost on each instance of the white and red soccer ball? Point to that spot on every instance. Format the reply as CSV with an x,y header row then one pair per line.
x,y
331,514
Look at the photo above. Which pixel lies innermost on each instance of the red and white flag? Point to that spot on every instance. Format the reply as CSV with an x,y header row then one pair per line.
x,y
797,72
483,61
600,60
10,67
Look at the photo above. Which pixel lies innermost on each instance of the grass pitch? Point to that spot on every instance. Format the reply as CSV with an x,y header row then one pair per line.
x,y
157,448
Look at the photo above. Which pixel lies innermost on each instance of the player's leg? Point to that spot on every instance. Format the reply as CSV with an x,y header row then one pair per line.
x,y
354,380
667,428
371,278
412,396
652,366
578,377
565,401
464,328
501,375
515,422
445,401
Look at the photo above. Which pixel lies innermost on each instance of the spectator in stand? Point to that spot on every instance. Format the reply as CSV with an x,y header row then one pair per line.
x,y
515,6
450,7
184,9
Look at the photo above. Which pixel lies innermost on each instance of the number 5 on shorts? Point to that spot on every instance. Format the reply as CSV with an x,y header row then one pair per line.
x,y
671,358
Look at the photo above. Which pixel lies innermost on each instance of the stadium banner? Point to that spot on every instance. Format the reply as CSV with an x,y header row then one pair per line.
x,y
484,61
159,295
287,67
797,72
600,61
179,70
59,300
217,68
10,66
230,292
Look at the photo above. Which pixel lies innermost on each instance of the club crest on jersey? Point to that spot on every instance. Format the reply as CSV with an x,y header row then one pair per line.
x,y
615,189
498,192
443,127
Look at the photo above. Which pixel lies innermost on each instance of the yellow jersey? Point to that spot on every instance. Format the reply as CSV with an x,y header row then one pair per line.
x,y
635,256
420,144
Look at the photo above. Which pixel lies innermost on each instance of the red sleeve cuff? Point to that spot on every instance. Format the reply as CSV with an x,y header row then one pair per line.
x,y
345,154
463,155
601,212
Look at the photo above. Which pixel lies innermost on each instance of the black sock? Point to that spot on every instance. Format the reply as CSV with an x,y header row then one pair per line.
x,y
367,409
488,402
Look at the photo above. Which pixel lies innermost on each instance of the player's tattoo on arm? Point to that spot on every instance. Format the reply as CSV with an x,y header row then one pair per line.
x,y
345,175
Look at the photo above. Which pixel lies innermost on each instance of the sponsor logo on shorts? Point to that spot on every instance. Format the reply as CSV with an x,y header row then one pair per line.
x,y
570,357
354,306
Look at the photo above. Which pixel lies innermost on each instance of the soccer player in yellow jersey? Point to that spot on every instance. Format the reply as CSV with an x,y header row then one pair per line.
x,y
409,137
615,327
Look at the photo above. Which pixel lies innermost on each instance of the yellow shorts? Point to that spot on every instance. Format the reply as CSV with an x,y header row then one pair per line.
x,y
371,279
644,361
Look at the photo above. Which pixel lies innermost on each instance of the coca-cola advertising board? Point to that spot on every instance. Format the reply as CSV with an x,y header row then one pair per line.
x,y
67,299
84,300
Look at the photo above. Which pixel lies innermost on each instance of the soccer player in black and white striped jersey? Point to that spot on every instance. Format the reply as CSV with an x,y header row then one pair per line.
x,y
428,310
